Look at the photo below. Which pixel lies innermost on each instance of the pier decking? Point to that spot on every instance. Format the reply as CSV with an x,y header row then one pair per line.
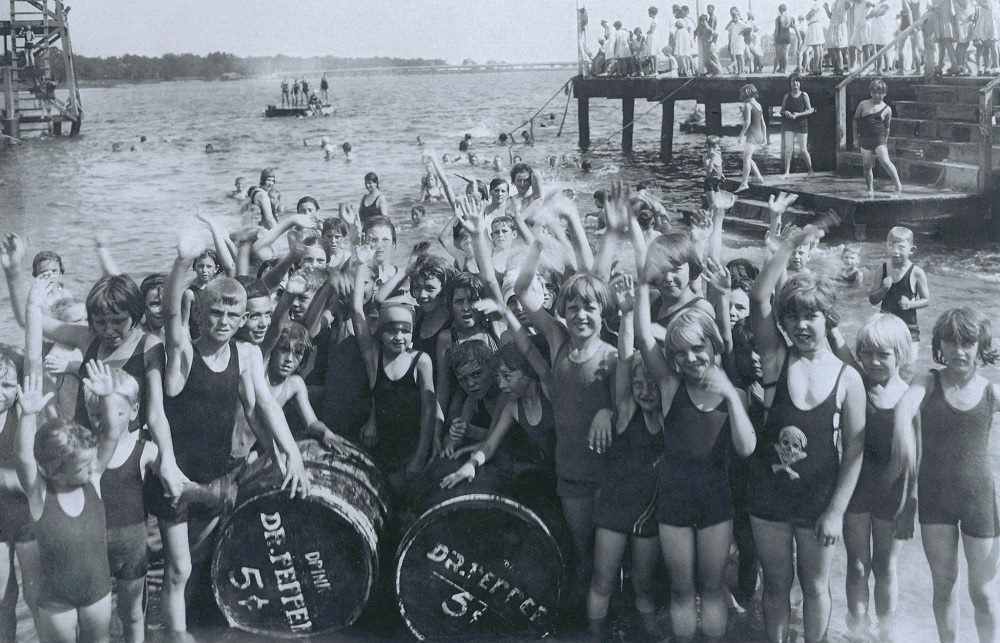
x,y
937,143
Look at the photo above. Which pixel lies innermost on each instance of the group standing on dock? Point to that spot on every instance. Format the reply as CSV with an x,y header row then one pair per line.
x,y
675,403
953,37
297,93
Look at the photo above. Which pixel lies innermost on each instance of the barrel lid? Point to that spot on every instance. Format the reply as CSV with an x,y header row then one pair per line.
x,y
479,566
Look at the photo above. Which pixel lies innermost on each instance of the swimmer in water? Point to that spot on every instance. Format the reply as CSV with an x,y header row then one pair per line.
x,y
240,190
208,148
417,214
347,151
327,147
420,140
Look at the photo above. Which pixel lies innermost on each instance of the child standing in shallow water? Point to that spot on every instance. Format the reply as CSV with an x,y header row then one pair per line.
x,y
901,287
800,486
957,497
875,520
753,135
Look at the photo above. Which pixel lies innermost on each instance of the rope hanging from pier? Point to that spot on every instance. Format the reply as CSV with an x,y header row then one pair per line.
x,y
654,106
539,110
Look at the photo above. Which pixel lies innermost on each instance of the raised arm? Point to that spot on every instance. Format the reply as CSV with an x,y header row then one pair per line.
x,y
652,356
770,344
367,344
104,257
12,252
719,281
262,247
178,338
529,294
221,247
30,402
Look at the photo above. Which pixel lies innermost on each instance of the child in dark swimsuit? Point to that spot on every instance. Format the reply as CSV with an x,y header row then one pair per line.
x,y
59,470
402,382
625,514
800,486
875,522
957,499
871,131
706,415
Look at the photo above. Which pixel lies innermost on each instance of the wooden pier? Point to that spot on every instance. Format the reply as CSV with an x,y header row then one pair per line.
x,y
941,139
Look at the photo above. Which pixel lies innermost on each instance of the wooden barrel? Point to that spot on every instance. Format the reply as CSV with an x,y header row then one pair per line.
x,y
288,567
480,566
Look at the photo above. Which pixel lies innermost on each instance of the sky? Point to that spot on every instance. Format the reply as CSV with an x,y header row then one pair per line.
x,y
508,30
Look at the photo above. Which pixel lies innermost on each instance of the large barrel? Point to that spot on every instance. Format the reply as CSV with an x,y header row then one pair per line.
x,y
287,567
482,566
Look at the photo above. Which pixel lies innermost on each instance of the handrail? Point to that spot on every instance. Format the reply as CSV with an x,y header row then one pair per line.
x,y
986,106
841,88
895,41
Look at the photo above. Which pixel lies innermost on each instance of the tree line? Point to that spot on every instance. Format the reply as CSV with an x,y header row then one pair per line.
x,y
131,68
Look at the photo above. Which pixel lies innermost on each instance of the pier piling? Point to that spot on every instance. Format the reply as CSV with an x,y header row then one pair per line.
x,y
628,114
583,120
667,131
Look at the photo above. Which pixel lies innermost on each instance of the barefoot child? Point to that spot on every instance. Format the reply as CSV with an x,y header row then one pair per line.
x,y
581,374
625,511
204,383
753,136
706,415
871,132
956,406
873,524
800,487
901,286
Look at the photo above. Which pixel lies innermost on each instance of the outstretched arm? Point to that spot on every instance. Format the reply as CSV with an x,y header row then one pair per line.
x,y
104,257
369,349
178,339
30,402
529,294
221,247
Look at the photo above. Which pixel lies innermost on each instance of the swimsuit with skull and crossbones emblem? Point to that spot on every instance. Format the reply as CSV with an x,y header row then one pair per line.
x,y
791,448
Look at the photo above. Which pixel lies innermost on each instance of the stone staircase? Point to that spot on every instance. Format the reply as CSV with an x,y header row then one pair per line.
x,y
934,140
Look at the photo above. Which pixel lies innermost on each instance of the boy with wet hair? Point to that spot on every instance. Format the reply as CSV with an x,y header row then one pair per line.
x,y
205,381
900,287
472,364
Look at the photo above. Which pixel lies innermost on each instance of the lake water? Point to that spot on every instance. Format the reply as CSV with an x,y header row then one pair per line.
x,y
58,192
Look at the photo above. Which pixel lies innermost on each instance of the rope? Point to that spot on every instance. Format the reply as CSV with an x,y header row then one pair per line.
x,y
655,105
539,111
569,95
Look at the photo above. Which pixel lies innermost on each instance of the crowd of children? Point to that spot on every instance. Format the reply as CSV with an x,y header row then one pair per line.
x,y
838,35
675,405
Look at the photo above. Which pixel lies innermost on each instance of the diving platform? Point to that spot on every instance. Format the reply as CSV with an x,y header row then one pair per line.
x,y
37,71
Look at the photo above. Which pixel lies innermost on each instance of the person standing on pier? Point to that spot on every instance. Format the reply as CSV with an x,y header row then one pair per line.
x,y
783,26
621,50
836,35
795,108
653,46
706,37
737,44
285,98
816,35
871,132
753,135
324,88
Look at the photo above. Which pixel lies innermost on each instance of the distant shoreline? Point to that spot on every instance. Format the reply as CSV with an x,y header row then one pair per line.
x,y
392,71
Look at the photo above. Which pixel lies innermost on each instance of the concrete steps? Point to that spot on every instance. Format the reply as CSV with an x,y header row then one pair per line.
x,y
959,176
936,93
955,112
748,212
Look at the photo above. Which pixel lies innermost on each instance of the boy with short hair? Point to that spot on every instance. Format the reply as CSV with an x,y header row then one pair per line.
x,y
900,287
205,381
